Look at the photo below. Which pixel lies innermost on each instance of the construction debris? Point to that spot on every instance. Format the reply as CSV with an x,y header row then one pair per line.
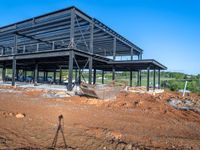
x,y
184,104
143,89
56,94
103,91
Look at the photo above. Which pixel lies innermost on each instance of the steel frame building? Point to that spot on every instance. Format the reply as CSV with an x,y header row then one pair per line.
x,y
70,39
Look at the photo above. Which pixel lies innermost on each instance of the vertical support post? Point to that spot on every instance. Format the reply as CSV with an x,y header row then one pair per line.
x,y
148,79
37,48
24,49
154,79
114,48
53,45
54,76
113,73
131,78
140,56
44,76
90,70
91,37
60,78
2,51
138,78
3,72
70,68
72,27
79,77
94,76
103,76
131,53
15,45
13,70
14,60
159,79
36,75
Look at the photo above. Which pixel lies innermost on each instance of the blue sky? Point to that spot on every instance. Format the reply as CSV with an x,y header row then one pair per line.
x,y
167,30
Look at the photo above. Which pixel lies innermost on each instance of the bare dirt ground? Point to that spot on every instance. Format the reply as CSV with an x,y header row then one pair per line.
x,y
133,121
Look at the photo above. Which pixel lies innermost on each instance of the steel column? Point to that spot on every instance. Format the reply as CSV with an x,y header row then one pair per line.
x,y
90,70
131,78
103,76
154,79
60,78
13,71
114,48
113,73
147,79
44,76
79,76
54,76
70,69
138,78
140,56
159,78
131,53
36,74
72,28
91,37
94,76
14,61
3,73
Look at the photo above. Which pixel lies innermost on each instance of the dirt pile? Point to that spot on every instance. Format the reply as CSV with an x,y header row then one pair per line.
x,y
132,121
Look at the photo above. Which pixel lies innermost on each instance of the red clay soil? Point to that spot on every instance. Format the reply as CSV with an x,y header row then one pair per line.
x,y
133,121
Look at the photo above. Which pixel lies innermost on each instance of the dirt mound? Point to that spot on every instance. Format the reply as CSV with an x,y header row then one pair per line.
x,y
132,121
